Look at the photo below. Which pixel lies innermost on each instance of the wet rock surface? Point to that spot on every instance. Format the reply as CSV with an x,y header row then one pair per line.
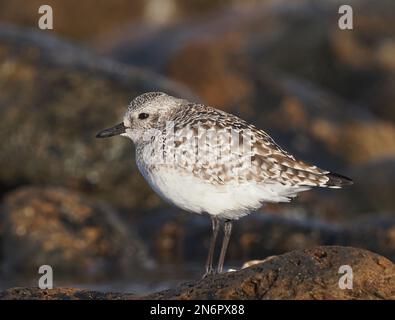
x,y
302,274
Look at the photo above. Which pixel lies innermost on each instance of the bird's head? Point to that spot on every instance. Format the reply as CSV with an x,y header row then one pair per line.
x,y
147,112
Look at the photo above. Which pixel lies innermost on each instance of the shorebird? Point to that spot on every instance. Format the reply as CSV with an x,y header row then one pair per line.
x,y
205,160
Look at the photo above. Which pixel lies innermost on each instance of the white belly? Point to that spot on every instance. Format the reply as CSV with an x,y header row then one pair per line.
x,y
192,194
230,201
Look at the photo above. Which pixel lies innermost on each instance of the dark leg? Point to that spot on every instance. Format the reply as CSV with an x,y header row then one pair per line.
x,y
209,264
227,232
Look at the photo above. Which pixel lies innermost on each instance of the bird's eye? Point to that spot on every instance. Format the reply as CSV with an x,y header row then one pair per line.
x,y
143,116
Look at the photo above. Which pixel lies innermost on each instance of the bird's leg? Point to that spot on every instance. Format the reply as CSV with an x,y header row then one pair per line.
x,y
227,232
209,264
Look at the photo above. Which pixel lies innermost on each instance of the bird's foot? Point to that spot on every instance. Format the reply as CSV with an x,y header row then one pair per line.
x,y
209,272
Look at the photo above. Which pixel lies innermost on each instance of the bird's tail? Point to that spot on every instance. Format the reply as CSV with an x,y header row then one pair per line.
x,y
303,174
336,180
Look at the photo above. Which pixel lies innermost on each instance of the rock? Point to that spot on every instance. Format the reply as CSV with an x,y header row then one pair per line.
x,y
70,17
80,239
55,97
302,274
372,194
375,191
60,294
106,17
254,262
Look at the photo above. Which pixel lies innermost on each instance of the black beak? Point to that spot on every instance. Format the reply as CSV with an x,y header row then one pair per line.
x,y
114,131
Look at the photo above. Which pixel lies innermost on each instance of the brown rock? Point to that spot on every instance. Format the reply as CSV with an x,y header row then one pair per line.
x,y
76,237
302,274
71,15
372,194
60,294
104,18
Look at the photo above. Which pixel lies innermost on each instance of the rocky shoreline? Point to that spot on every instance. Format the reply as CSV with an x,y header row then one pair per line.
x,y
311,274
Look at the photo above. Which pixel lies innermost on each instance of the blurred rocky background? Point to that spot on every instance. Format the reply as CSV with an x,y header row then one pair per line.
x,y
80,205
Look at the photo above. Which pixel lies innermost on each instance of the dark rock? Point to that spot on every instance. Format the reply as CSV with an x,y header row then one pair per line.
x,y
79,239
60,294
55,97
70,17
303,274
372,194
105,18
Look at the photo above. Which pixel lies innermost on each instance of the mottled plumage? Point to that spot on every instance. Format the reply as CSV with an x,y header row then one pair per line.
x,y
205,160
269,161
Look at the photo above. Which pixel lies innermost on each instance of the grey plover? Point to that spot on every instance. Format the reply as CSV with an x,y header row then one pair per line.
x,y
205,160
